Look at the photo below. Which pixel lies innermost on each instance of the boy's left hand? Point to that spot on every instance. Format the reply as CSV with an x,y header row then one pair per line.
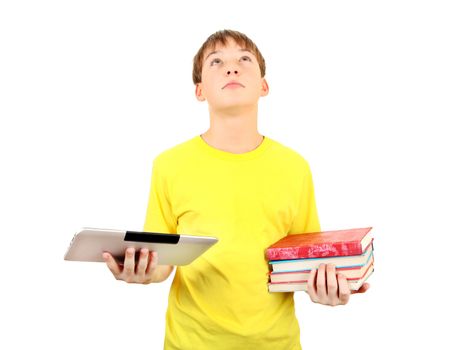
x,y
327,287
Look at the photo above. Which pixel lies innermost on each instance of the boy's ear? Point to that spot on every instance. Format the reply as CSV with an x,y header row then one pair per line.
x,y
199,92
265,88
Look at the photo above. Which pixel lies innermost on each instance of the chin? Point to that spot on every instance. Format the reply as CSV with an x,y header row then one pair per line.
x,y
236,103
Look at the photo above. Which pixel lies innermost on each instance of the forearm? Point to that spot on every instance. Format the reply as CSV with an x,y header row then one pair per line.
x,y
161,273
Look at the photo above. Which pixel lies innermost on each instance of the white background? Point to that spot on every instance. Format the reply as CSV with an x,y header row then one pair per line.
x,y
371,93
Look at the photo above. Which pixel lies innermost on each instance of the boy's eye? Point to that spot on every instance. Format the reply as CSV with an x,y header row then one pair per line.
x,y
216,60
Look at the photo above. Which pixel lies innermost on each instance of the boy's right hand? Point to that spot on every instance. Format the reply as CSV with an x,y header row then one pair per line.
x,y
131,271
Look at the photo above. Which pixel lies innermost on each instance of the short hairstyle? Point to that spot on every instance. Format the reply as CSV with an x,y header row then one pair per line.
x,y
222,37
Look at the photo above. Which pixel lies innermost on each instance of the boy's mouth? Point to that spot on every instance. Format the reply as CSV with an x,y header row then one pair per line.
x,y
233,85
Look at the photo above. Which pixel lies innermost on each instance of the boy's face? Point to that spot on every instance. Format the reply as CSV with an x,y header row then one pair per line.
x,y
227,64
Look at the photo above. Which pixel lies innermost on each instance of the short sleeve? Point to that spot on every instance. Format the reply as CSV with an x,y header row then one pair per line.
x,y
306,219
159,216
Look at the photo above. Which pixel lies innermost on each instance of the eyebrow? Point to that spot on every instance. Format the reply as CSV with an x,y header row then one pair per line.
x,y
215,52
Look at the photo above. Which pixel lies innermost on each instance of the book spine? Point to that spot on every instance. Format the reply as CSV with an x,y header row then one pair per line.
x,y
315,251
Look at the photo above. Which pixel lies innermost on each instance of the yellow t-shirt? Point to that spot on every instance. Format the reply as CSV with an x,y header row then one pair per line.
x,y
248,201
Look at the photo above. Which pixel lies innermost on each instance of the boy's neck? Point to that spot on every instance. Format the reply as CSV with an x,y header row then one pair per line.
x,y
233,132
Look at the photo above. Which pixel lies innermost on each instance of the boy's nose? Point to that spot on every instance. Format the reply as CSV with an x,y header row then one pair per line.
x,y
232,71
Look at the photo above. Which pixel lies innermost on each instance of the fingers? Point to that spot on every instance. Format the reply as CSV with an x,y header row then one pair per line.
x,y
363,289
332,285
326,287
153,263
135,269
343,288
111,263
311,289
321,284
142,263
129,263
316,285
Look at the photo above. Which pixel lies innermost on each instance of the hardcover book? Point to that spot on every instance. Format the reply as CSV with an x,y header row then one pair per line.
x,y
321,244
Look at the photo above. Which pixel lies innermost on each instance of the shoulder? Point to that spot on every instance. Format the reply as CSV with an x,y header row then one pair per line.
x,y
288,155
170,157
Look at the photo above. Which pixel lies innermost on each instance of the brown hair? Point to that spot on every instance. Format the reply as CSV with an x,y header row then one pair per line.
x,y
221,37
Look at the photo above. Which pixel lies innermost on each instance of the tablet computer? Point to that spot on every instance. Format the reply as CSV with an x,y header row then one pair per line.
x,y
88,244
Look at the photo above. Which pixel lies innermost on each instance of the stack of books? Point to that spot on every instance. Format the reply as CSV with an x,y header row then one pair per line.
x,y
293,257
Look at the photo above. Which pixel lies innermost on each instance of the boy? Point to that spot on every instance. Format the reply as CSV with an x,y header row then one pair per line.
x,y
244,188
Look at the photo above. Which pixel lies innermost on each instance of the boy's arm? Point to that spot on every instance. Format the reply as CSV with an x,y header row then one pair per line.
x,y
159,215
306,219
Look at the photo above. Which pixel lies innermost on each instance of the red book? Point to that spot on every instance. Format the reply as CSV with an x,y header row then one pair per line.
x,y
321,244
